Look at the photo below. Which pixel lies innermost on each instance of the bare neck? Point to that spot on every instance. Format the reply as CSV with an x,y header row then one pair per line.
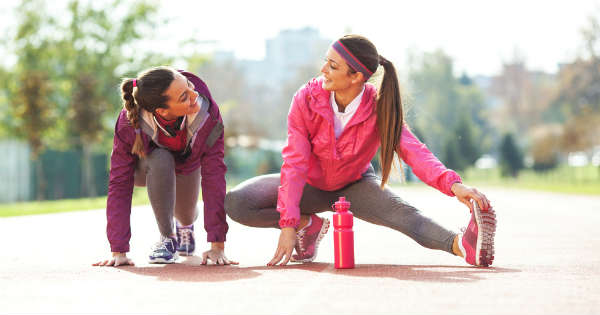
x,y
346,96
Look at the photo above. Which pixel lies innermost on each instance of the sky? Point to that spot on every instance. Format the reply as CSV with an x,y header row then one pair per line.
x,y
478,35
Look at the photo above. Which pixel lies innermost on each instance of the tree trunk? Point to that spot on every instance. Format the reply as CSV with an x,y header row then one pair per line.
x,y
87,173
41,179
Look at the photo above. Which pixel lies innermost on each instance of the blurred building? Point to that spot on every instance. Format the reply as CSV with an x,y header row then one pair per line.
x,y
287,54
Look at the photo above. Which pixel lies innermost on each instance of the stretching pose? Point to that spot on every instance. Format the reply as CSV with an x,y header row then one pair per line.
x,y
336,124
169,138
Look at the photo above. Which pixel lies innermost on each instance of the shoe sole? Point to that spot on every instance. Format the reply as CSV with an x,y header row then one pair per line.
x,y
324,229
486,231
163,261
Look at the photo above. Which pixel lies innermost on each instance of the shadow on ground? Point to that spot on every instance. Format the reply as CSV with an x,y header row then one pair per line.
x,y
192,270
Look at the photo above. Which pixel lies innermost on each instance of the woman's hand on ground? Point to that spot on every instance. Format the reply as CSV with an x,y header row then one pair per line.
x,y
287,241
216,255
465,194
118,259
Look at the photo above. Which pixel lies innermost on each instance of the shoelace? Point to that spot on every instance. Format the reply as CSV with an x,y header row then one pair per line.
x,y
300,238
185,236
162,243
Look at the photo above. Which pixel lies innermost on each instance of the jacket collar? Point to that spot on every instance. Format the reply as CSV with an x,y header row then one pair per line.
x,y
322,106
193,121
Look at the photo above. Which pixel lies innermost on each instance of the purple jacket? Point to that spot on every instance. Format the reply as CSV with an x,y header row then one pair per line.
x,y
205,137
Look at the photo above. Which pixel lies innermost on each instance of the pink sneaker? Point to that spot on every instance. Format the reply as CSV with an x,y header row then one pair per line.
x,y
477,240
308,238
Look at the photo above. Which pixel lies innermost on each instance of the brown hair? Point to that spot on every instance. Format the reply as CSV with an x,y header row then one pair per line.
x,y
148,94
390,116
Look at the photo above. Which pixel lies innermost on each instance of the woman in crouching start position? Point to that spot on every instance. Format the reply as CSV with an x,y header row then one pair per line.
x,y
169,138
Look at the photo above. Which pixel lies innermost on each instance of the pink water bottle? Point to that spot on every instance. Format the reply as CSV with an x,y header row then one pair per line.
x,y
343,236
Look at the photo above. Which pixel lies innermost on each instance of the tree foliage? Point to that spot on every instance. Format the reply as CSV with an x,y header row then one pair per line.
x,y
30,88
63,88
449,110
511,157
578,95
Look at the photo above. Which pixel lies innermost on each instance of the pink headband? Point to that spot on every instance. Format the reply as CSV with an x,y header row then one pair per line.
x,y
351,60
134,82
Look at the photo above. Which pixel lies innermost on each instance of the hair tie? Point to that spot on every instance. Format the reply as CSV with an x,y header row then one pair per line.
x,y
137,131
134,82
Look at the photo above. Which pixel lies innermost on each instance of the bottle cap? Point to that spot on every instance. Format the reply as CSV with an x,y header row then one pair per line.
x,y
342,204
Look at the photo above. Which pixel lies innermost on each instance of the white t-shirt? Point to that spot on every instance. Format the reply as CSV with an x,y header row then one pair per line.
x,y
340,120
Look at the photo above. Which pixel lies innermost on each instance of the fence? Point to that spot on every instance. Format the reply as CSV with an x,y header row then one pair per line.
x,y
62,173
15,171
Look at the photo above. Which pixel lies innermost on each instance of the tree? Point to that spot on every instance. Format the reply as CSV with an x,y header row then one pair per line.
x,y
451,155
460,148
577,101
30,89
63,87
440,100
435,96
545,148
467,144
91,51
511,157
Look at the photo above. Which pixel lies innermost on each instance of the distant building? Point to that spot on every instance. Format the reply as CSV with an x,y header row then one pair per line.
x,y
286,54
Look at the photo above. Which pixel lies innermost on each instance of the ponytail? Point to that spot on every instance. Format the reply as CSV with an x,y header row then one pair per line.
x,y
390,118
133,115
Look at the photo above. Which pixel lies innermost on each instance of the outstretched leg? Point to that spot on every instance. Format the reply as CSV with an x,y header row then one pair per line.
x,y
384,207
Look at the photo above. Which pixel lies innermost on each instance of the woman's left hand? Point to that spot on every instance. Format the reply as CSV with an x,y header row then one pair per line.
x,y
216,255
465,194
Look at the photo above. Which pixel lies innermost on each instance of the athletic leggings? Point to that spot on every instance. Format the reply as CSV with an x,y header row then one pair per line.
x,y
254,203
169,193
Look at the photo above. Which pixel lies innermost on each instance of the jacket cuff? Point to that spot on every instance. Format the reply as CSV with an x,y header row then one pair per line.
x,y
215,237
292,222
119,248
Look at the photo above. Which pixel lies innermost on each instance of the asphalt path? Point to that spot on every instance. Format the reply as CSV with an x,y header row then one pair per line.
x,y
547,262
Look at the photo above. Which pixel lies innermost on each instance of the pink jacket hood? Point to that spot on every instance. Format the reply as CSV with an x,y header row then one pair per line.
x,y
313,155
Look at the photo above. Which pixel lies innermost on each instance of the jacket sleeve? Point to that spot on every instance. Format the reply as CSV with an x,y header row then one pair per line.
x,y
213,171
425,165
120,190
296,154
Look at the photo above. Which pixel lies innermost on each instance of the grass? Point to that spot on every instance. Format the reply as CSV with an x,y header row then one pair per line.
x,y
564,179
569,180
64,205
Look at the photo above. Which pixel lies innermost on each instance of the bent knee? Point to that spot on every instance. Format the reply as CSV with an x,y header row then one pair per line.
x,y
234,206
161,160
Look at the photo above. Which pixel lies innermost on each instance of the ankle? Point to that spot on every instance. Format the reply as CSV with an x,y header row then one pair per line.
x,y
456,247
305,221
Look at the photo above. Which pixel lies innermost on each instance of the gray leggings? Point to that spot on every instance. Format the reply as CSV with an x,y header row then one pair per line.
x,y
254,203
168,192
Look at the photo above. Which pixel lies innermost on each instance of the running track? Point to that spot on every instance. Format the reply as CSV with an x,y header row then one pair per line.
x,y
547,262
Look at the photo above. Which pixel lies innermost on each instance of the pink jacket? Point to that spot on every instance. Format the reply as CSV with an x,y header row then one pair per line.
x,y
312,154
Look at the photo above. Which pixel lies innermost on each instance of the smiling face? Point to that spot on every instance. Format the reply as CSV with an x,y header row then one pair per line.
x,y
182,99
338,75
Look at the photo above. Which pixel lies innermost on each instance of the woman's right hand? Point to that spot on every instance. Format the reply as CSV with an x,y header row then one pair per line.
x,y
287,241
118,259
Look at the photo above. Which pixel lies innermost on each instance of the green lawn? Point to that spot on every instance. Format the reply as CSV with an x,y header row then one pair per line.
x,y
569,180
65,205
564,179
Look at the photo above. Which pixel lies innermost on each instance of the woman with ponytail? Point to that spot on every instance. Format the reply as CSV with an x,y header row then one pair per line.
x,y
336,124
168,138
